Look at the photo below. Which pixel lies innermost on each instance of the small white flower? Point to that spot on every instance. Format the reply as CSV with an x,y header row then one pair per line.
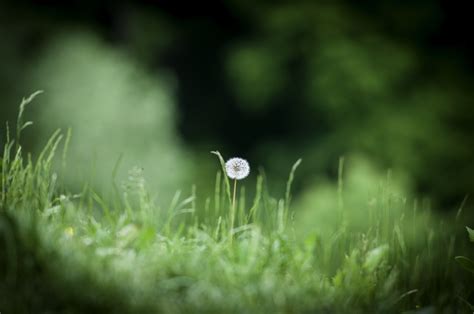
x,y
237,168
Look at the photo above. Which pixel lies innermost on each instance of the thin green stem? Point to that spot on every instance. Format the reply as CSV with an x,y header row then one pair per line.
x,y
235,192
232,213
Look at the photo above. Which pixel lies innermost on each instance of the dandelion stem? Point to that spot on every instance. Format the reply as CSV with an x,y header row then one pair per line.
x,y
235,192
232,213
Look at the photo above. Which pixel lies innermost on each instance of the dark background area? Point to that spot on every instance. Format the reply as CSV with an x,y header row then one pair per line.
x,y
277,80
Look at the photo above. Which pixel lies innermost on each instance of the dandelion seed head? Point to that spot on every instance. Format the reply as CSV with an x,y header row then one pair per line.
x,y
237,168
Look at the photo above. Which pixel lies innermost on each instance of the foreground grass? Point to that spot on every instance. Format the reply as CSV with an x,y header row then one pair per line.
x,y
66,253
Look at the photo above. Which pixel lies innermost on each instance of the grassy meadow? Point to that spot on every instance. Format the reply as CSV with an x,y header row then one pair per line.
x,y
64,251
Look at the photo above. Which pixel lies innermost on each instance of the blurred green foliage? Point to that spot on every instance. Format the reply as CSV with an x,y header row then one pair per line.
x,y
362,189
272,81
119,115
148,90
351,89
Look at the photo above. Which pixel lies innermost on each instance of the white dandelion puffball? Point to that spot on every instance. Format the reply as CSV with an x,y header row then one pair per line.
x,y
237,168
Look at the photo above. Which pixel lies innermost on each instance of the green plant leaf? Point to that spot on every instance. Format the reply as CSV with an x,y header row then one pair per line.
x,y
471,233
375,256
466,263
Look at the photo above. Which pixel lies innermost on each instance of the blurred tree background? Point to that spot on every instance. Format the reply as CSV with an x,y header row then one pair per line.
x,y
158,84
